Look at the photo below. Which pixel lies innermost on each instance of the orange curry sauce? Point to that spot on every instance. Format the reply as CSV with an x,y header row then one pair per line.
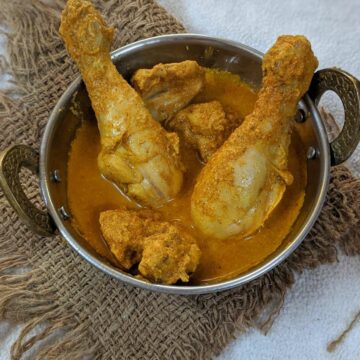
x,y
89,193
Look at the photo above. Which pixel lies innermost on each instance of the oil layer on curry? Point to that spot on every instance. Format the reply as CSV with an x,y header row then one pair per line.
x,y
185,174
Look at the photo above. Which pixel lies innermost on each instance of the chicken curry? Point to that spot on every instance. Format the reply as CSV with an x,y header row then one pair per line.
x,y
189,175
91,194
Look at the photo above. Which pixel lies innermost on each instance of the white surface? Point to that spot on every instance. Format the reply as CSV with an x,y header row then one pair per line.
x,y
322,301
316,310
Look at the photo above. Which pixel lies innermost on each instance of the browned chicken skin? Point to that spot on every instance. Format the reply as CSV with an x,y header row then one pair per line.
x,y
165,253
167,88
203,126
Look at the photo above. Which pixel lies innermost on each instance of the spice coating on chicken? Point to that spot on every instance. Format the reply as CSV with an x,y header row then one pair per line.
x,y
164,251
125,231
167,88
247,177
203,126
137,154
169,256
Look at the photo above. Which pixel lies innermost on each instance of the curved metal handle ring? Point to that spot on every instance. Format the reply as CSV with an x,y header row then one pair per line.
x,y
11,162
347,87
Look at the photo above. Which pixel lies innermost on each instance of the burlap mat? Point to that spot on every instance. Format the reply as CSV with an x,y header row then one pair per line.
x,y
76,309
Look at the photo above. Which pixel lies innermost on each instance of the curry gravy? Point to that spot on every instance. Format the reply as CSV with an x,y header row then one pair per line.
x,y
89,193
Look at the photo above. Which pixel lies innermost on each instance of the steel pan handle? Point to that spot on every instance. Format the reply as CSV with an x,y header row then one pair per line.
x,y
11,162
347,87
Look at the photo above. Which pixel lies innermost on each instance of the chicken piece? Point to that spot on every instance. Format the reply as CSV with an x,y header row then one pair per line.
x,y
204,126
167,88
137,154
125,231
169,256
246,178
165,252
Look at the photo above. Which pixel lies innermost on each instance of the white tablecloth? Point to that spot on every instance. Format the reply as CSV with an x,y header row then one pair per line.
x,y
322,301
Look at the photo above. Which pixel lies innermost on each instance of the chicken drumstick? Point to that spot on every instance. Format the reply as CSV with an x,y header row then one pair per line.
x,y
137,154
247,177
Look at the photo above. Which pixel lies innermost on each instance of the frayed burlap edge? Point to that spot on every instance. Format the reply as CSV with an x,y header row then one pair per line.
x,y
29,297
26,296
